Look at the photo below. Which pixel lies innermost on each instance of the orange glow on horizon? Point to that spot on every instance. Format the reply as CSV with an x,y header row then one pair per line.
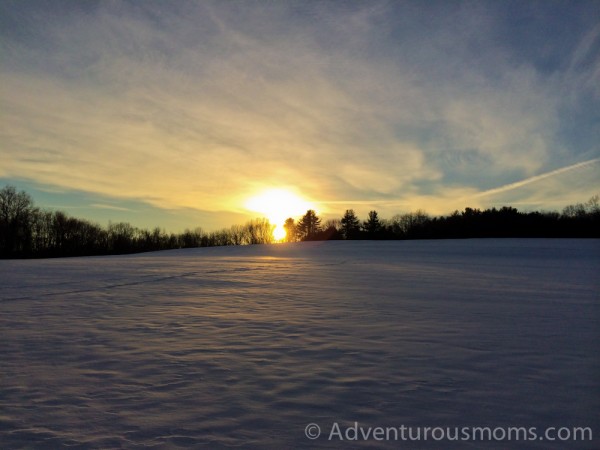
x,y
277,205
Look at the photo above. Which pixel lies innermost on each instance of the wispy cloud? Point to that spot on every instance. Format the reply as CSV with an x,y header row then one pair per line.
x,y
112,207
199,105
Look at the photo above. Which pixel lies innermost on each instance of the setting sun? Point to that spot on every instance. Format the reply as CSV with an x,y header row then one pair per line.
x,y
277,205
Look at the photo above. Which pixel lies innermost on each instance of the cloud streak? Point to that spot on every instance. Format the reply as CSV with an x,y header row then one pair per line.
x,y
534,179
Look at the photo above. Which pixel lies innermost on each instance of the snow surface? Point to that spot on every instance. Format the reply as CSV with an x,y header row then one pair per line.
x,y
245,346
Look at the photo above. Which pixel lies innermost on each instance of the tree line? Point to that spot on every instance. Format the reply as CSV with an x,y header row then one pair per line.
x,y
581,220
27,231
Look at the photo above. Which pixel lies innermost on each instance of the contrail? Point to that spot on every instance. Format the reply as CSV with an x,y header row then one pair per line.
x,y
518,184
506,187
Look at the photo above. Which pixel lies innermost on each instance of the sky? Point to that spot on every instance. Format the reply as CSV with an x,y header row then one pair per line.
x,y
176,114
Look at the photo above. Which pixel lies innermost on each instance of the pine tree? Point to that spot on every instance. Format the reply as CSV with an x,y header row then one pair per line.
x,y
350,225
372,225
309,225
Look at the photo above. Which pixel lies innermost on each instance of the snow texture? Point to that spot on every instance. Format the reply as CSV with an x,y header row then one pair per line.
x,y
245,346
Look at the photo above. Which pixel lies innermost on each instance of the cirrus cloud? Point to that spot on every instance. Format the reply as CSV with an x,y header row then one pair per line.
x,y
383,104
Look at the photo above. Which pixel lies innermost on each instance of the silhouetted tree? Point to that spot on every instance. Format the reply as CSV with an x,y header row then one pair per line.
x,y
260,231
309,225
592,206
350,226
16,218
191,238
156,239
372,225
121,237
218,238
576,210
238,235
330,231
42,243
334,224
409,225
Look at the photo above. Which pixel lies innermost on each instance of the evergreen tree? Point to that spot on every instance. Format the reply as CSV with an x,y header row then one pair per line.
x,y
309,225
350,225
372,225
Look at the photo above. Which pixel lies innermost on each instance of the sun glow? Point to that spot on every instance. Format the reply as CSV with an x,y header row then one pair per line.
x,y
277,205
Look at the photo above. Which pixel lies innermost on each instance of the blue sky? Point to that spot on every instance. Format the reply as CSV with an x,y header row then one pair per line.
x,y
175,113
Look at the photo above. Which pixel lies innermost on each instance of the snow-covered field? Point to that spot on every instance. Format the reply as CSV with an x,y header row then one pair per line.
x,y
246,346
